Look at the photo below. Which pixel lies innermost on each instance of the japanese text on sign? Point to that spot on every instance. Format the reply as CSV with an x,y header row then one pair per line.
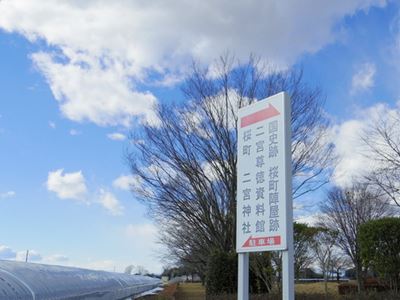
x,y
261,207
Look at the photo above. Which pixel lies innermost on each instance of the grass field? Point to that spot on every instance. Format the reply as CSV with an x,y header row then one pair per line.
x,y
304,291
195,291
316,288
190,291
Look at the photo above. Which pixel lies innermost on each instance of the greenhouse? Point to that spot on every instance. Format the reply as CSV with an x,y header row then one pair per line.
x,y
20,280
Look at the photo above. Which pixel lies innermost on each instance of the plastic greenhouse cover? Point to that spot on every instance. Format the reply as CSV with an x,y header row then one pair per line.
x,y
20,280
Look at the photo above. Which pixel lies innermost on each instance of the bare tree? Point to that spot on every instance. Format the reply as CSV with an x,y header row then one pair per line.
x,y
323,247
345,210
260,264
339,262
137,270
140,270
185,164
382,139
129,269
304,236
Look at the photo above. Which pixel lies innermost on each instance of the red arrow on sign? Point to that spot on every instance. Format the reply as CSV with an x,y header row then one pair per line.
x,y
258,116
262,241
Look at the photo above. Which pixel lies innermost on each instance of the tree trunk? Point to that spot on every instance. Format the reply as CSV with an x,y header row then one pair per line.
x,y
326,283
360,278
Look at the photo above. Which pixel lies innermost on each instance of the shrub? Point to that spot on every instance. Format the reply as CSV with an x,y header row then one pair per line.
x,y
380,248
221,275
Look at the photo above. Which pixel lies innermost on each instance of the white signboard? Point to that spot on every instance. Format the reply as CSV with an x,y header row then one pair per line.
x,y
264,174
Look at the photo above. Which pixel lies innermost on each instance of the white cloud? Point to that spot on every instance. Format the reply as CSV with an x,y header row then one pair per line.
x,y
364,78
96,93
67,185
73,186
196,116
116,136
144,237
210,171
111,265
142,258
348,145
8,194
7,252
55,259
125,182
52,124
353,156
101,50
141,231
101,265
110,203
33,256
309,219
393,54
74,132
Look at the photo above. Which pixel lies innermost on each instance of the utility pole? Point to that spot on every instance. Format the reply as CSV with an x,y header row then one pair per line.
x,y
27,256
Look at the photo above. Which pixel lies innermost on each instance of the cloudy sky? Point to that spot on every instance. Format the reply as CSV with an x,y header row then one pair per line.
x,y
77,76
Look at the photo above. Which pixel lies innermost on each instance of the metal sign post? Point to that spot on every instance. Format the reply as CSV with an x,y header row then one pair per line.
x,y
243,276
264,188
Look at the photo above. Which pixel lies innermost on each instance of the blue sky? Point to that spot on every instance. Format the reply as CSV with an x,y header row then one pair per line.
x,y
75,77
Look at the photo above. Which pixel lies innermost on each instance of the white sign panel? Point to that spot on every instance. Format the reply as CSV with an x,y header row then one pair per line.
x,y
264,174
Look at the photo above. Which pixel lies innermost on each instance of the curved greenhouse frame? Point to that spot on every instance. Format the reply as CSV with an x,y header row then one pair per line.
x,y
20,280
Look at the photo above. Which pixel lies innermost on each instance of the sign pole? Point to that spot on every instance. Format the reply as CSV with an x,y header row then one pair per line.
x,y
243,276
288,255
288,274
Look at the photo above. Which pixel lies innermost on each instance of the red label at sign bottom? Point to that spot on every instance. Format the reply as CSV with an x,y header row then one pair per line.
x,y
263,241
